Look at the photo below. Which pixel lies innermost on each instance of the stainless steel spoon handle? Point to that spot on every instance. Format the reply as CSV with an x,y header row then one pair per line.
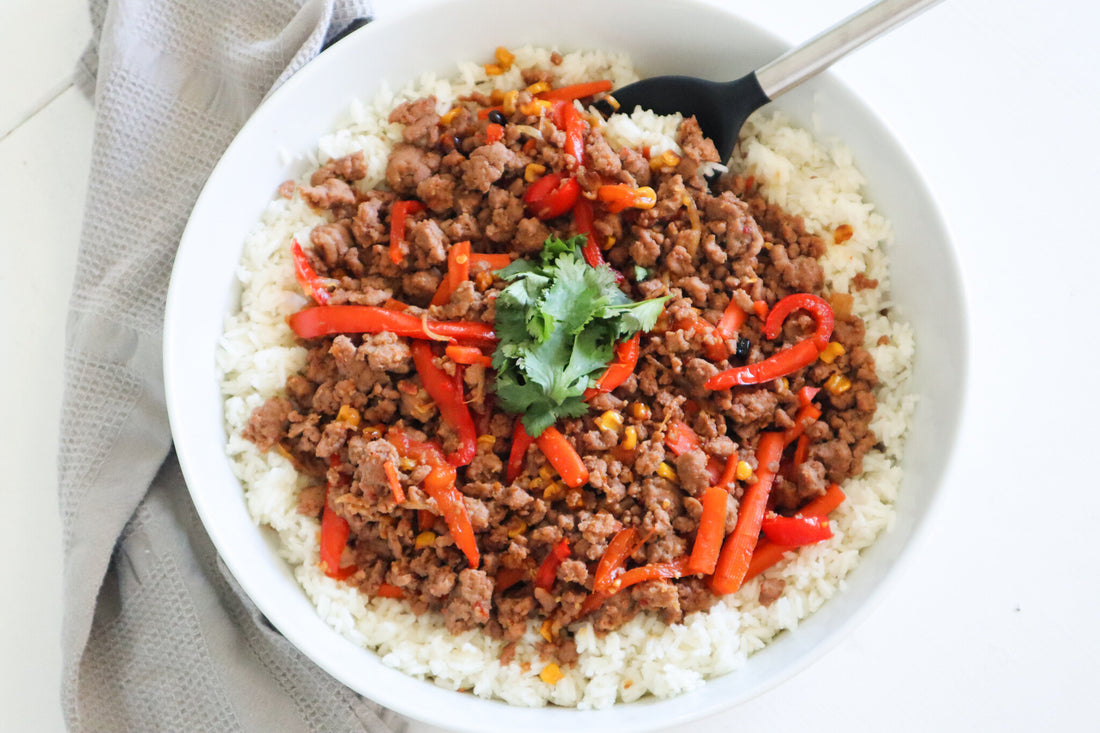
x,y
821,51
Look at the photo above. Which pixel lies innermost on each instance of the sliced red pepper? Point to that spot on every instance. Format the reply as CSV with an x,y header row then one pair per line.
x,y
775,366
574,134
563,457
495,262
385,590
507,577
544,578
552,195
521,441
733,318
468,355
493,133
326,320
307,277
801,450
458,271
334,537
796,531
583,216
449,399
806,395
768,553
577,91
440,485
398,215
677,568
805,417
618,371
760,308
425,519
818,307
712,529
621,546
620,196
714,346
681,439
733,561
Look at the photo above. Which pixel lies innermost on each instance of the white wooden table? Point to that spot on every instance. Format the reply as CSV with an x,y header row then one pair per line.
x,y
991,624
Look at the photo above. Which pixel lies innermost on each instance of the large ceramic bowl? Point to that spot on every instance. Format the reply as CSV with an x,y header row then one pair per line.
x,y
663,37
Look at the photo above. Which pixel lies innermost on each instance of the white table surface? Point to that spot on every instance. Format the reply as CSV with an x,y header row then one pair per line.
x,y
992,623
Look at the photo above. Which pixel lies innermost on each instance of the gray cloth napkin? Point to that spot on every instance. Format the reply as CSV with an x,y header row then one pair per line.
x,y
156,634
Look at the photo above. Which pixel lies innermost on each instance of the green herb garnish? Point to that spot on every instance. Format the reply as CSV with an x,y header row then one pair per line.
x,y
558,322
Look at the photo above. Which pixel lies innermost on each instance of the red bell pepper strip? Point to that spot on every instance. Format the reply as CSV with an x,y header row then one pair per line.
x,y
552,195
621,546
618,371
733,318
563,457
760,308
583,216
681,439
425,519
458,271
521,441
818,307
803,419
326,320
385,590
468,355
733,561
775,366
576,91
713,344
449,399
796,531
440,485
507,577
768,553
544,578
400,212
677,568
574,134
591,604
493,133
307,277
620,196
801,450
334,537
394,481
806,395
496,262
712,529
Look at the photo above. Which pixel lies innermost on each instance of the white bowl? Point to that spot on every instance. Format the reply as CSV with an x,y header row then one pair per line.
x,y
662,37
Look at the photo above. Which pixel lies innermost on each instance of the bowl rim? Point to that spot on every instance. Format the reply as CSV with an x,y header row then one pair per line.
x,y
490,714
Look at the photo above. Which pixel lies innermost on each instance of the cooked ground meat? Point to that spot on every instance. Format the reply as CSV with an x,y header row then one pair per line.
x,y
361,394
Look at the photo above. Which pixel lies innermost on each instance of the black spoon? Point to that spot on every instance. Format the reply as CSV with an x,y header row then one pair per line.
x,y
722,107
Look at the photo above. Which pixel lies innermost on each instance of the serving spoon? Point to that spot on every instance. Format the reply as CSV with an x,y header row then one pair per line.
x,y
721,108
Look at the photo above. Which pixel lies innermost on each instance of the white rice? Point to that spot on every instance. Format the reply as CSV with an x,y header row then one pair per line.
x,y
645,656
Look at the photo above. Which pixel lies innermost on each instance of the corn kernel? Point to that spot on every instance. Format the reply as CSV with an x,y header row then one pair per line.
x,y
538,87
610,421
838,384
536,107
493,70
645,198
448,116
533,171
373,432
612,101
551,674
667,159
425,539
536,482
843,233
666,471
744,471
630,438
547,631
608,244
504,57
553,491
483,280
784,385
546,473
517,530
640,411
348,415
496,96
509,103
831,352
487,440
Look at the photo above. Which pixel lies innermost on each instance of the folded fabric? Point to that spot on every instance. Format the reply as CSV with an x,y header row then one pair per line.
x,y
156,634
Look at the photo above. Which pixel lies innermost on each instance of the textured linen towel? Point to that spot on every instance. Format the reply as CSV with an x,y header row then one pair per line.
x,y
156,634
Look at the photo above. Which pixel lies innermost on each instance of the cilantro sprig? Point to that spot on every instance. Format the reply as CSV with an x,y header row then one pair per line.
x,y
558,321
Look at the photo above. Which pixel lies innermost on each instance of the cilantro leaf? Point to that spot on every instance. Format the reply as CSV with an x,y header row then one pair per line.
x,y
558,321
